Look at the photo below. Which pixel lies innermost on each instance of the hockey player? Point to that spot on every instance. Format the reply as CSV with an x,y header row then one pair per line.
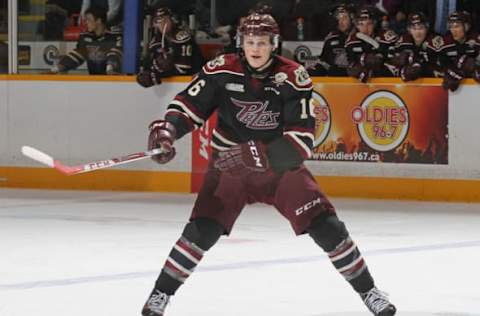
x,y
100,48
457,51
333,60
170,50
264,133
370,49
412,57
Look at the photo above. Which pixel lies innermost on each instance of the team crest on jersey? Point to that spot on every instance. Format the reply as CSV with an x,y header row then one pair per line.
x,y
217,62
301,76
437,42
255,115
390,36
237,87
182,35
280,78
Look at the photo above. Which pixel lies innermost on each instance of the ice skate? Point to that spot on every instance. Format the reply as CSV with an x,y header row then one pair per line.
x,y
156,304
378,303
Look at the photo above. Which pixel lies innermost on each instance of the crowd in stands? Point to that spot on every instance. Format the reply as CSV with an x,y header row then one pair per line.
x,y
361,38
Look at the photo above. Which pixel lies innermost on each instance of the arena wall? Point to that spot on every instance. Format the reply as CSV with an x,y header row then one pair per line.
x,y
86,118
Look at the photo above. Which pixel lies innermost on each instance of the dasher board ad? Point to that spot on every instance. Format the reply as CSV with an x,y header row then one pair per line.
x,y
381,123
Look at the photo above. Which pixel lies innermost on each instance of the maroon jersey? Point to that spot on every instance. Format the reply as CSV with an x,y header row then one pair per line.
x,y
381,44
448,51
275,109
171,54
418,54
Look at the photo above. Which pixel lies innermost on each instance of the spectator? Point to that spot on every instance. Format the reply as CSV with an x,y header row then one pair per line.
x,y
101,49
3,57
114,10
457,51
369,48
333,60
56,17
172,50
412,57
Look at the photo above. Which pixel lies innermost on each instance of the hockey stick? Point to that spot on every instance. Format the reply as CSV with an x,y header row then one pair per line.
x,y
42,157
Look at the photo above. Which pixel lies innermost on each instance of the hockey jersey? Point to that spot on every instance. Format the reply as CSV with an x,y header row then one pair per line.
x,y
276,110
97,51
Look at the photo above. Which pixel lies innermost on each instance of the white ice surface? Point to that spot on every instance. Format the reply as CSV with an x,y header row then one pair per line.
x,y
98,253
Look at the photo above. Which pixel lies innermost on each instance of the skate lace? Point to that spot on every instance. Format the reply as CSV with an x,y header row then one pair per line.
x,y
158,301
376,300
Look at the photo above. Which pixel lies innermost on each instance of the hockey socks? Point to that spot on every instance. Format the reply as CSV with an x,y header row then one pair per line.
x,y
349,262
181,262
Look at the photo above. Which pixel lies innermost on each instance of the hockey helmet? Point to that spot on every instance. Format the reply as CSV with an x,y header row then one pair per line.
x,y
417,18
258,24
367,13
343,8
461,17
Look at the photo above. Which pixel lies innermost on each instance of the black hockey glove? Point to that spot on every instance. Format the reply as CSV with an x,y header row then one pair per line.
x,y
411,72
360,72
372,61
162,135
466,65
148,79
452,79
243,158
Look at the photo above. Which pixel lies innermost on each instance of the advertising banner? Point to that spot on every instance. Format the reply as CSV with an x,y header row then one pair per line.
x,y
381,123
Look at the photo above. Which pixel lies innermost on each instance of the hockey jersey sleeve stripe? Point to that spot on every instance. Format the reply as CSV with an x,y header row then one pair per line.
x,y
181,114
116,51
308,135
187,111
308,88
303,148
223,139
76,57
218,147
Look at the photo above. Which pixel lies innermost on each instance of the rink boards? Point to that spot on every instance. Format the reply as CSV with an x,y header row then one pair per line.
x,y
86,118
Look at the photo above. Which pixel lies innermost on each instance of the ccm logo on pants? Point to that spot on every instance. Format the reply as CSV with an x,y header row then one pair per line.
x,y
307,206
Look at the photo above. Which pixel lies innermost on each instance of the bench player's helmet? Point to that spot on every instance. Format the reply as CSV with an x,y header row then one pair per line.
x,y
417,18
258,24
461,17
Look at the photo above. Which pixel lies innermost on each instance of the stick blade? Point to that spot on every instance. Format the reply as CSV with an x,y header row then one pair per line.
x,y
38,155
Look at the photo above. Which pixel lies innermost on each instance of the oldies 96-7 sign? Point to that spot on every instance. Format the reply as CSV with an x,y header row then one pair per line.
x,y
403,124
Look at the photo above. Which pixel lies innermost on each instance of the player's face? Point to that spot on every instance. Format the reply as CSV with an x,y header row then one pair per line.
x,y
258,50
91,22
365,27
163,24
344,22
418,32
458,31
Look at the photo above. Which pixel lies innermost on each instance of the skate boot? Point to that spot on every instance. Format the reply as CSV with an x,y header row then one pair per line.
x,y
378,303
156,304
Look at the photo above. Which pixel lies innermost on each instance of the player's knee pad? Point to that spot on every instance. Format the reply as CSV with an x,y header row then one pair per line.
x,y
203,232
327,231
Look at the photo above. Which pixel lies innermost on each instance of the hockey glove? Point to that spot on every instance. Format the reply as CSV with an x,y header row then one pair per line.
x,y
452,79
162,135
371,61
466,65
411,72
359,72
242,158
148,79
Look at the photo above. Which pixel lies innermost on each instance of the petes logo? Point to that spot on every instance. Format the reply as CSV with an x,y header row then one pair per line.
x,y
255,115
237,87
280,78
382,120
